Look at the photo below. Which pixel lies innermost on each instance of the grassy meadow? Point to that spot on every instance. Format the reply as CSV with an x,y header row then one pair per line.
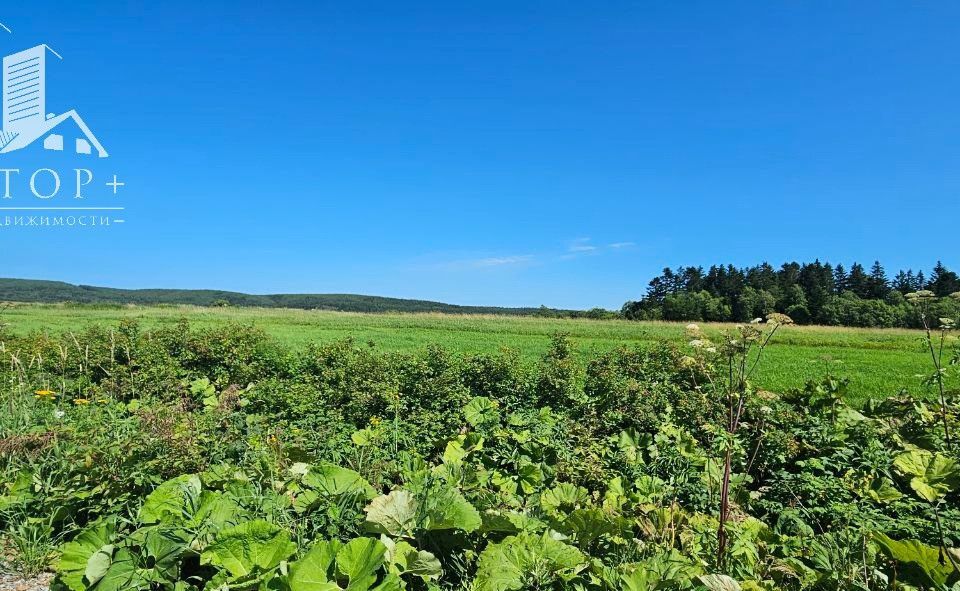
x,y
878,362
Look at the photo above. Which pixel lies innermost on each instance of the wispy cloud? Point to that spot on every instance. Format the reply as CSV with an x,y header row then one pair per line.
x,y
501,261
576,248
491,262
581,245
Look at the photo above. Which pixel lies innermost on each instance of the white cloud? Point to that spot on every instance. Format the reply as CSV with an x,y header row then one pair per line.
x,y
616,245
501,261
581,245
494,262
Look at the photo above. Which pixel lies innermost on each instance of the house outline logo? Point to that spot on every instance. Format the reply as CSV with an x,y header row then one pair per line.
x,y
25,117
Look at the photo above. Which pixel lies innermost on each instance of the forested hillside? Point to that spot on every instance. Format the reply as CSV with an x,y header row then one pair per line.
x,y
28,290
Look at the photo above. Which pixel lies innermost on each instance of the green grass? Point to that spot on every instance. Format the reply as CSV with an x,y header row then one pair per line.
x,y
878,362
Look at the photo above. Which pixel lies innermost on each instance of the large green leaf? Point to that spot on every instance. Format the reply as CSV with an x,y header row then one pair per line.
x,y
719,583
883,491
932,475
586,526
123,574
358,560
920,564
164,550
526,561
481,412
249,548
98,565
215,511
394,514
358,563
92,542
328,481
564,498
448,509
405,559
509,522
312,572
174,501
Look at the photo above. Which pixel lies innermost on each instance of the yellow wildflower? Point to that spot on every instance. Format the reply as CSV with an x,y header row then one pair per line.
x,y
375,421
81,401
45,395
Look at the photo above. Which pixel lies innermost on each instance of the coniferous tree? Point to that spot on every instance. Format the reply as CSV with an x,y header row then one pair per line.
x,y
903,282
858,282
840,280
878,285
943,281
692,278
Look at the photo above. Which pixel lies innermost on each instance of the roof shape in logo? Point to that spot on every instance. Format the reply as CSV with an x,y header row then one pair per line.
x,y
17,141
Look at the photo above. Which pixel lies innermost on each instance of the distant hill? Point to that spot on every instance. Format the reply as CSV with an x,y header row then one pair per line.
x,y
30,290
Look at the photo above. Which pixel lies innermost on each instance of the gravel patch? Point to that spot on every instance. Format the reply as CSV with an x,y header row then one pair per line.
x,y
13,582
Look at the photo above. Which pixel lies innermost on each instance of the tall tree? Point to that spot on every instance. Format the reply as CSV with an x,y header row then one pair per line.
x,y
858,281
943,281
878,285
840,280
904,282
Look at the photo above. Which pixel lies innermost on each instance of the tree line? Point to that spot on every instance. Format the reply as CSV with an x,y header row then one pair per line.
x,y
810,293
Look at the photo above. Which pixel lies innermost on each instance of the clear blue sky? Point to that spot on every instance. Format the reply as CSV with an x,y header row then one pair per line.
x,y
511,153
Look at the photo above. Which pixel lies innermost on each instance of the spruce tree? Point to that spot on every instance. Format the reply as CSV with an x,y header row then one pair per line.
x,y
878,284
943,281
858,282
840,280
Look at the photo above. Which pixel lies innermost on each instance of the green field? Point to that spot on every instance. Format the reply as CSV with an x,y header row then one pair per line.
x,y
878,362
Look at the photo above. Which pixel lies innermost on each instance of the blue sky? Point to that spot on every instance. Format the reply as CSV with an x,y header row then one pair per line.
x,y
508,153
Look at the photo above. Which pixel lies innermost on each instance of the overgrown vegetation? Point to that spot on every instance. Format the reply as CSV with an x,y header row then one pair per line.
x,y
217,458
814,293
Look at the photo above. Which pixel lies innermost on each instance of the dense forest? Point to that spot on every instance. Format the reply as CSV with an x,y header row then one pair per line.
x,y
810,293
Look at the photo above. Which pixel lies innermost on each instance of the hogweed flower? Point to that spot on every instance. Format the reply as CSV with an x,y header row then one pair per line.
x,y
778,318
924,295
